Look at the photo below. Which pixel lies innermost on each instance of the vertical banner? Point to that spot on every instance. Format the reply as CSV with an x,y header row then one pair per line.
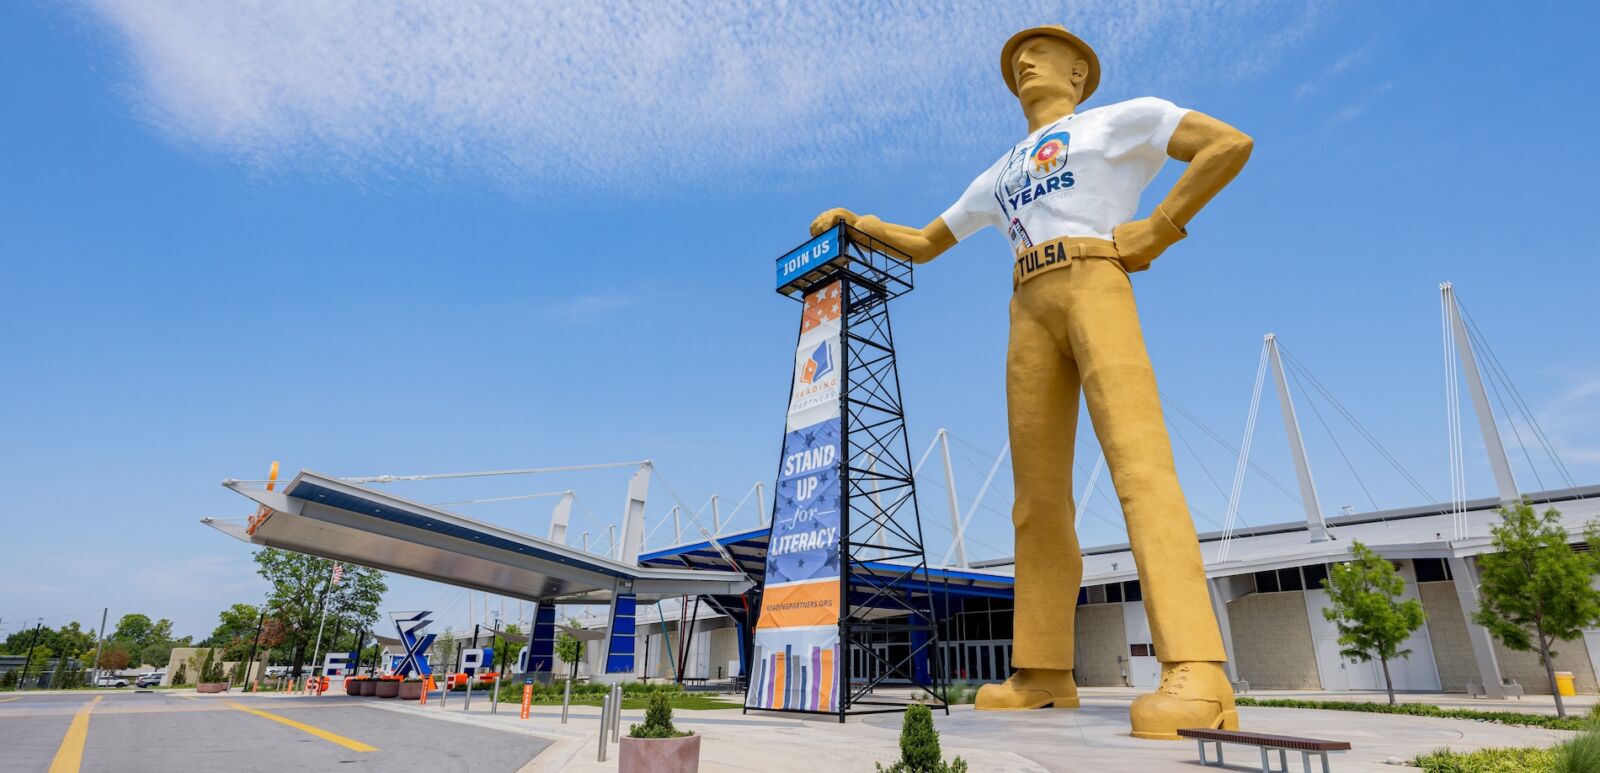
x,y
797,636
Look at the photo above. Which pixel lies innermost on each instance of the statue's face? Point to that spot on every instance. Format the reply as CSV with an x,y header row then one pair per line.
x,y
1047,68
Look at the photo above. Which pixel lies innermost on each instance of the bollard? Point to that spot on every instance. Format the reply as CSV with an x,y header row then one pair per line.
x,y
427,687
494,696
616,713
605,717
566,701
444,690
468,705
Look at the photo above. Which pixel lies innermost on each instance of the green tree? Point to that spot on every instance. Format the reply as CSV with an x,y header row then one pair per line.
x,y
1373,622
181,676
444,649
236,630
301,587
505,651
1535,590
147,641
569,648
114,657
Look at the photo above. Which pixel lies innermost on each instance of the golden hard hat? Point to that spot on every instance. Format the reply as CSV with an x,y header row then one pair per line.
x,y
1057,31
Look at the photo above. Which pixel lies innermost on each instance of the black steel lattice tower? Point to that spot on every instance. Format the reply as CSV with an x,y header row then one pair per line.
x,y
887,628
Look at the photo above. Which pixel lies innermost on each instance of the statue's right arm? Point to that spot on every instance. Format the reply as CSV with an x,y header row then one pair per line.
x,y
920,244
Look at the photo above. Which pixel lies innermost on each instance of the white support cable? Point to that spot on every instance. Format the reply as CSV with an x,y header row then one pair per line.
x,y
1083,499
1452,401
514,498
1244,458
955,505
709,537
492,473
960,535
927,452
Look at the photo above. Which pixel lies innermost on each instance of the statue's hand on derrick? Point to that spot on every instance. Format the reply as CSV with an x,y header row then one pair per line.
x,y
830,217
920,244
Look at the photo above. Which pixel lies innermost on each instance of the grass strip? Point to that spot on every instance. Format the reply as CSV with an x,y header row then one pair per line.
x,y
1426,710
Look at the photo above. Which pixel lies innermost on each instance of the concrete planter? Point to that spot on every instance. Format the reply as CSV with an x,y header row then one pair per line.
x,y
410,691
211,687
659,755
367,687
387,688
353,686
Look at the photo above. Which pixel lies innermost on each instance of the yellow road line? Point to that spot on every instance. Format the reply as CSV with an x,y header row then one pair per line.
x,y
8,700
347,743
70,756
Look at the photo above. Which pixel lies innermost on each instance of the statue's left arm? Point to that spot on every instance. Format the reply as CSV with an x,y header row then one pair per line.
x,y
1215,152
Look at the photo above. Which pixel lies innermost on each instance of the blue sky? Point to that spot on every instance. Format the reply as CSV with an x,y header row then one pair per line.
x,y
459,237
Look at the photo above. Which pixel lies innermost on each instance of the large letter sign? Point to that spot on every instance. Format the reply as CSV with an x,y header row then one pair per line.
x,y
411,626
797,638
337,663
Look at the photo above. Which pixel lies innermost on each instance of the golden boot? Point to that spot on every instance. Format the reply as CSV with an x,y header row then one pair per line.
x,y
1193,693
1030,688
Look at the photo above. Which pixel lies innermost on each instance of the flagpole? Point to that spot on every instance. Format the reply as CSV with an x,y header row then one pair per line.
x,y
316,653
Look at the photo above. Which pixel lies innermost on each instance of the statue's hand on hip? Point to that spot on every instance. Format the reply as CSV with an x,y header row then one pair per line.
x,y
829,218
1140,242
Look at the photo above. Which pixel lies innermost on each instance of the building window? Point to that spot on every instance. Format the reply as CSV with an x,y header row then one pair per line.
x,y
1289,579
1315,574
1141,650
1432,569
1131,592
1266,582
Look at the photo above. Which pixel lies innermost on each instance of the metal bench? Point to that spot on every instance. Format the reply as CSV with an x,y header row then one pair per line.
x,y
1283,743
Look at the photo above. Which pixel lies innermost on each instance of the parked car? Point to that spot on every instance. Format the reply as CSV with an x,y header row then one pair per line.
x,y
273,672
110,680
150,680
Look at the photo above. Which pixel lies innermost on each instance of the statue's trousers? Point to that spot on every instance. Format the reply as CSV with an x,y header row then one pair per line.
x,y
1074,328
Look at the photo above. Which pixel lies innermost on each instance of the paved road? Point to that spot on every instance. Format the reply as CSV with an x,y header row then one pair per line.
x,y
166,731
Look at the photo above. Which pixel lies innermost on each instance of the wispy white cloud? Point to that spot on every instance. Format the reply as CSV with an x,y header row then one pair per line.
x,y
197,578
1346,61
614,94
1572,421
583,309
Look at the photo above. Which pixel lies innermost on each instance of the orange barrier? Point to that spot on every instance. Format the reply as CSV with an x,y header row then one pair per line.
x,y
527,699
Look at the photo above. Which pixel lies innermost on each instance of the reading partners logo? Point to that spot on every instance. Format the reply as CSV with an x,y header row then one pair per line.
x,y
819,364
1037,173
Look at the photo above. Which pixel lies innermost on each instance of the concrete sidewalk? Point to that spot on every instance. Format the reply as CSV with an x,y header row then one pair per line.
x,y
1094,737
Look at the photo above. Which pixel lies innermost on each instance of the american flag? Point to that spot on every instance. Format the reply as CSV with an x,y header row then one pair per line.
x,y
338,573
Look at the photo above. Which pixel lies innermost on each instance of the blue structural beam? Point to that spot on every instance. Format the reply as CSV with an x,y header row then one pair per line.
x,y
619,651
542,645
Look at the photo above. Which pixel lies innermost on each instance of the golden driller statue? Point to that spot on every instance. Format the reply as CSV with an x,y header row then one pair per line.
x,y
1066,196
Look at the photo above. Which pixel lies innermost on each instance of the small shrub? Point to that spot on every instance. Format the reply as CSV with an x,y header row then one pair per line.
x,y
1579,755
919,747
8,679
181,676
657,720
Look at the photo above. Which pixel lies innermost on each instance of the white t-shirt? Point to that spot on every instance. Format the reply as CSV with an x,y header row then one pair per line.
x,y
1079,176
